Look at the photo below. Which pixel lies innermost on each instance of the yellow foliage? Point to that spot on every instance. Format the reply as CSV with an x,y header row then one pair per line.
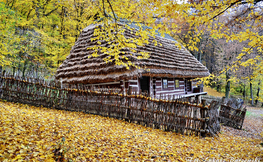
x,y
59,23
31,133
213,92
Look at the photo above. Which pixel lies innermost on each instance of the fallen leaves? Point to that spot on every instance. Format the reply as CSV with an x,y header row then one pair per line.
x,y
213,92
252,126
41,134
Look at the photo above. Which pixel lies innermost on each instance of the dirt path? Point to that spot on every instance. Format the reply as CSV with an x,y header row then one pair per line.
x,y
253,112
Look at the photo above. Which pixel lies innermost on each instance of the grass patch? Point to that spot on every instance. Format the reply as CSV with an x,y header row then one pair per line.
x,y
248,113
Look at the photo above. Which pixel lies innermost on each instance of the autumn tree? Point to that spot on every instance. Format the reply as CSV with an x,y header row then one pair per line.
x,y
42,34
58,24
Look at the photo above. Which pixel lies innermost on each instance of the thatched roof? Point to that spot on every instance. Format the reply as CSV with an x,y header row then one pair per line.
x,y
166,60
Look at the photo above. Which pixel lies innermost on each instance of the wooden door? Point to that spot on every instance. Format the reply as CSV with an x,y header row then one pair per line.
x,y
188,85
145,84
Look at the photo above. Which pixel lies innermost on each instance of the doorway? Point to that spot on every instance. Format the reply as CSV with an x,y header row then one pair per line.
x,y
188,85
144,83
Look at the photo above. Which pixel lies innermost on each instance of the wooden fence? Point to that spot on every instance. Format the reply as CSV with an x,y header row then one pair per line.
x,y
177,115
232,117
231,112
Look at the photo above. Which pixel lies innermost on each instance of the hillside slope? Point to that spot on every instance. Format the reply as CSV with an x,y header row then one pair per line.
x,y
213,92
33,133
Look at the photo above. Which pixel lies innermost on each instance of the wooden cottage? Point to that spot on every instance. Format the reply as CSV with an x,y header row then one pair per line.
x,y
168,71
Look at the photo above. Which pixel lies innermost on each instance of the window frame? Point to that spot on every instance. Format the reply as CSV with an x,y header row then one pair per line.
x,y
163,83
176,80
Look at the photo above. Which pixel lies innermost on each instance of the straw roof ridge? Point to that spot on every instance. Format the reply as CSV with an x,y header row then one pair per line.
x,y
109,70
86,60
167,45
168,64
168,57
104,64
165,60
138,47
103,78
90,63
80,55
136,26
189,73
97,66
162,63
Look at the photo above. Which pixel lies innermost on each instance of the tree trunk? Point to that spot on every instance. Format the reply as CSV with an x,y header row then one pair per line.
x,y
227,84
37,71
1,69
12,4
199,56
24,69
256,101
19,67
218,87
244,92
62,25
14,70
251,92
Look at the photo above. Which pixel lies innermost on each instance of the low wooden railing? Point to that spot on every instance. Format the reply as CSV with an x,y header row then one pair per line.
x,y
231,112
170,115
232,117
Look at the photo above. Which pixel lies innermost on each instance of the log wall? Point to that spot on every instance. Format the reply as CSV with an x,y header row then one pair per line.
x,y
156,89
170,90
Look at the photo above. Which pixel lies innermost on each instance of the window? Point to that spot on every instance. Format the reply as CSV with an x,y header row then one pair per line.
x,y
165,84
176,84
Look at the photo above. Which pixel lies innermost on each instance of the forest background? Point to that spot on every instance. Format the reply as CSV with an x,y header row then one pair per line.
x,y
225,35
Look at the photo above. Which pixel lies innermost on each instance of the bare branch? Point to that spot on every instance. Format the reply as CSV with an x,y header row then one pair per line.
x,y
103,5
50,12
232,4
112,11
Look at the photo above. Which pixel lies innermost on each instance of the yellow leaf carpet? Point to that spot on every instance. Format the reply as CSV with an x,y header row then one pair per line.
x,y
29,133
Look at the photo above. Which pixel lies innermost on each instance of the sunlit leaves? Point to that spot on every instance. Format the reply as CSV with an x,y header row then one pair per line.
x,y
60,23
32,133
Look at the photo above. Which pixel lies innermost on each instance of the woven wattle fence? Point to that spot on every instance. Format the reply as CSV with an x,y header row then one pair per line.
x,y
231,113
178,115
232,117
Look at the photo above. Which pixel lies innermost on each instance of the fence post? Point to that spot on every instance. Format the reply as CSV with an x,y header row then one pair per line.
x,y
129,104
202,111
243,114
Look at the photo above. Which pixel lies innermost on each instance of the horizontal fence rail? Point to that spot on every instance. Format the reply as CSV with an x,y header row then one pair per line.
x,y
232,117
178,115
231,112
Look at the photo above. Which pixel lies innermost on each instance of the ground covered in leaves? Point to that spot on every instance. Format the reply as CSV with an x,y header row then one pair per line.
x,y
41,134
252,127
212,92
